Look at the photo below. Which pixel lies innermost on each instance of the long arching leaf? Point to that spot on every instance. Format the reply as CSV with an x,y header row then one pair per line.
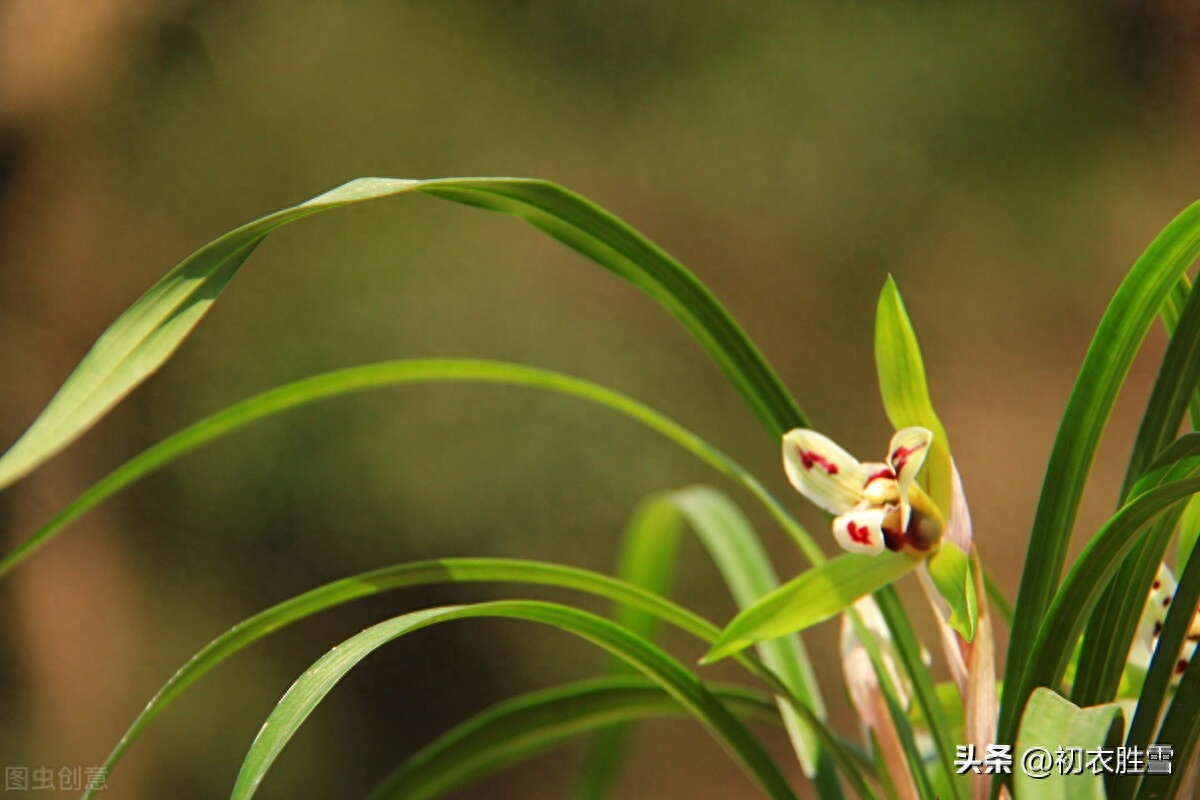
x,y
1097,677
1120,334
1111,628
1081,589
396,373
518,729
150,330
308,691
423,573
648,558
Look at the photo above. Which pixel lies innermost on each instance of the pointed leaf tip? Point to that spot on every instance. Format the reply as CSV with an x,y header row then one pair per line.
x,y
904,390
814,596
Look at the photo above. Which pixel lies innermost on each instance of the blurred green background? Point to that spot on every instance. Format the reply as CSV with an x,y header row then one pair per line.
x,y
1005,164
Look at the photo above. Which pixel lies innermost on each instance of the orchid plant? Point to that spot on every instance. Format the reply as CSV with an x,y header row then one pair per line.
x,y
1097,658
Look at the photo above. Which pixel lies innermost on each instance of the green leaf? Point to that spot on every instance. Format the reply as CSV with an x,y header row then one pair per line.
x,y
308,691
451,570
1189,531
146,335
1050,722
648,555
1117,340
396,373
815,596
1175,387
1179,731
1189,523
924,691
1155,686
1170,314
649,550
518,729
1111,629
1105,645
905,392
738,553
418,573
950,569
1080,591
950,700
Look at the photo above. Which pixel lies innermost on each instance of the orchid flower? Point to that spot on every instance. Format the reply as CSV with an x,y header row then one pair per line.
x,y
876,504
1154,614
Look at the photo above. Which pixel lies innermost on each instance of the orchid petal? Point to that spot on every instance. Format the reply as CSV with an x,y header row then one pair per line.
x,y
906,454
861,530
1154,615
821,471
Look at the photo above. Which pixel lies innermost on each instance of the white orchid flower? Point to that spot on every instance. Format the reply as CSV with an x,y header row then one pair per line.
x,y
874,502
1150,626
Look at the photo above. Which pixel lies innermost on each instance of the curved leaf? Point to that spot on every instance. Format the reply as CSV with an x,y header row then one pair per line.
x,y
1110,630
649,548
1077,596
1120,333
1106,644
395,373
418,573
454,570
525,726
738,553
304,695
648,555
814,596
150,330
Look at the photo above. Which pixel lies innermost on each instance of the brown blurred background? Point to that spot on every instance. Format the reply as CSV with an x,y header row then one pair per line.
x,y
1007,165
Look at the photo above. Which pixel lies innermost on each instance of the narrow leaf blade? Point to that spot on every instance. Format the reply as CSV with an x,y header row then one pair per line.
x,y
816,595
521,728
311,688
145,336
387,374
1119,336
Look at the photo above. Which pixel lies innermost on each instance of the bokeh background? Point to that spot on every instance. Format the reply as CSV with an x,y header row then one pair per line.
x,y
1006,164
